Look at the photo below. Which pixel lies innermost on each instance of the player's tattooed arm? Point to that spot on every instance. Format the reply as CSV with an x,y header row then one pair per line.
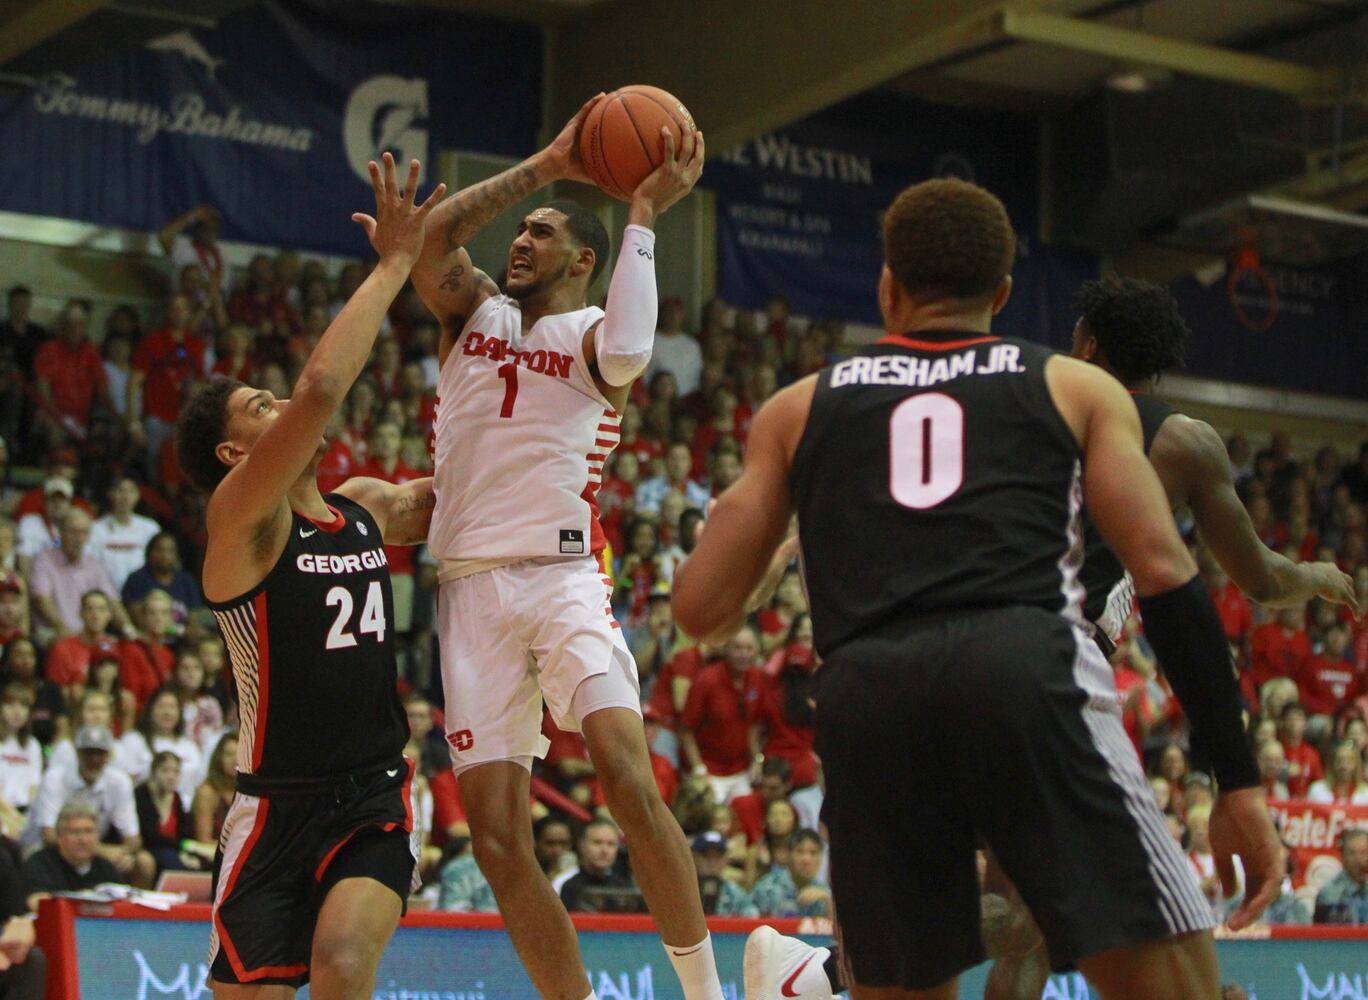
x,y
468,211
403,512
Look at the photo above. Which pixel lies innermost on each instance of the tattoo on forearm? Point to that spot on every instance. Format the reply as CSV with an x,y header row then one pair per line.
x,y
409,504
470,210
452,279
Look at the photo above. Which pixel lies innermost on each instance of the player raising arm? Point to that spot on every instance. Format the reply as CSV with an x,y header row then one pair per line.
x,y
314,860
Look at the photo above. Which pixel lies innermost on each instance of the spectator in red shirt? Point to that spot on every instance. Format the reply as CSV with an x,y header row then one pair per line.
x,y
617,496
68,659
1280,648
646,449
14,615
721,421
784,718
713,729
670,692
777,621
61,464
1329,681
166,363
775,784
236,359
1237,616
1303,760
145,662
387,373
638,572
338,461
261,305
71,380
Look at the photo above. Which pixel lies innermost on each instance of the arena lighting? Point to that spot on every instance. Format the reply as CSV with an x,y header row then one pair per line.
x,y
1139,79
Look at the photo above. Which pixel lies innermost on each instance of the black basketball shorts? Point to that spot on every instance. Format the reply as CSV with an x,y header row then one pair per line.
x,y
1000,726
285,847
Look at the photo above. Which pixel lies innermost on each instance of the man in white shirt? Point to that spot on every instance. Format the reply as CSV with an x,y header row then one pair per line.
x,y
37,532
119,539
676,351
192,239
109,791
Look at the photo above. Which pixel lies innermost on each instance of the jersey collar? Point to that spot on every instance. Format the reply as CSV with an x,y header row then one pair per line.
x,y
338,522
937,340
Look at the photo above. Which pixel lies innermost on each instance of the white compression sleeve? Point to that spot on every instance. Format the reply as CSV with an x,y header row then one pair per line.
x,y
623,343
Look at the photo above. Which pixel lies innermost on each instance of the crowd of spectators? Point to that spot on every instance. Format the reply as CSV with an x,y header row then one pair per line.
x,y
117,741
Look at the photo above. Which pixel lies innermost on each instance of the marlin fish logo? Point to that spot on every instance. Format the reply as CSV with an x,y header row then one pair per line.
x,y
189,47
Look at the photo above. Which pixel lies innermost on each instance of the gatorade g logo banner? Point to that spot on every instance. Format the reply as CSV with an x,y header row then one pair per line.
x,y
270,116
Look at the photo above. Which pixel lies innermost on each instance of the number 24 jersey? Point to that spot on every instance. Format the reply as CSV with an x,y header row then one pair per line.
x,y
312,650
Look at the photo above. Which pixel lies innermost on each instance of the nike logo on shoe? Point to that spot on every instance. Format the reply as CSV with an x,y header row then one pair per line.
x,y
787,988
392,773
306,534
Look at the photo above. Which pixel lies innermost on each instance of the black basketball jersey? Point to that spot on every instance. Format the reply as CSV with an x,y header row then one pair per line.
x,y
935,474
312,648
1110,591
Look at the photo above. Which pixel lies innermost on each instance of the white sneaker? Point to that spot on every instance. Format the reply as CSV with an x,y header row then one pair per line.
x,y
782,968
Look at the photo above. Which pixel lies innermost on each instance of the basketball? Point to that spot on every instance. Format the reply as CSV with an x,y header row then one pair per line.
x,y
620,141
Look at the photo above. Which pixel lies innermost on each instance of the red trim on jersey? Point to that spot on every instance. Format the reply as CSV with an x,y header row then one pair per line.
x,y
244,974
898,340
263,680
332,527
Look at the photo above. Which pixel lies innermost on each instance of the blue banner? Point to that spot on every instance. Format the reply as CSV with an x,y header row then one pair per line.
x,y
1292,328
145,959
270,117
799,210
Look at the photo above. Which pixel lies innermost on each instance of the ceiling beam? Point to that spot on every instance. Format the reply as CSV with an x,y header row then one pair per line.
x,y
1307,82
25,28
744,71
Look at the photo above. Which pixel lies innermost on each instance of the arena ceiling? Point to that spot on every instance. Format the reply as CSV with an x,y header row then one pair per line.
x,y
1151,109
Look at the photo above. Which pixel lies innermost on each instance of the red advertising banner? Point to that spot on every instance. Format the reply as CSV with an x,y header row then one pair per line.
x,y
1312,831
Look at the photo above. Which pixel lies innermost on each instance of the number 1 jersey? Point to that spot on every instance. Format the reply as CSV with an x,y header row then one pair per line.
x,y
522,434
936,475
312,650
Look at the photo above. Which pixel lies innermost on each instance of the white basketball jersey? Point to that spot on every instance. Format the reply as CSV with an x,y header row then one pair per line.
x,y
521,437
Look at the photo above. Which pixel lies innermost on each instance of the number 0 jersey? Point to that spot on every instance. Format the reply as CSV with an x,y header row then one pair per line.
x,y
522,434
934,475
312,649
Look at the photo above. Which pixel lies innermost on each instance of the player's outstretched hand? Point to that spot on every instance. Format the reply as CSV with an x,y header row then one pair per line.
x,y
396,229
1336,586
675,177
562,157
1240,826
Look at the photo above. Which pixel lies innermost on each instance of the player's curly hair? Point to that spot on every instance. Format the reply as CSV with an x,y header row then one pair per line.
x,y
201,427
949,237
1137,326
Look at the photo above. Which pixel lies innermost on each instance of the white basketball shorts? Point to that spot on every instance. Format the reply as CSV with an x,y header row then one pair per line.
x,y
515,635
